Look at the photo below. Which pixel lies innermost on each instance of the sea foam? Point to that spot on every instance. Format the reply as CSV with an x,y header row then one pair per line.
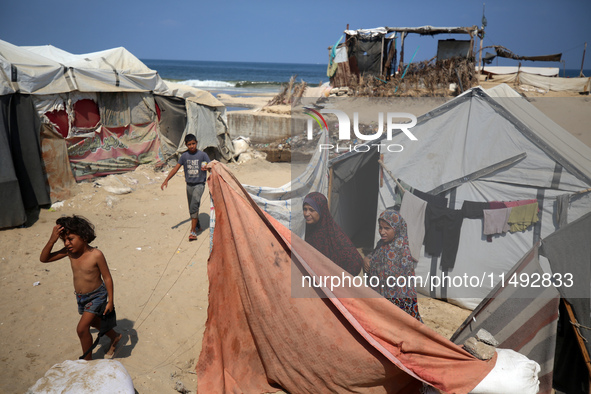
x,y
196,83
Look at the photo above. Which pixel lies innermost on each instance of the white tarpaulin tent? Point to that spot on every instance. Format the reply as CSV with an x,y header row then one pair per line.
x,y
479,147
540,77
79,116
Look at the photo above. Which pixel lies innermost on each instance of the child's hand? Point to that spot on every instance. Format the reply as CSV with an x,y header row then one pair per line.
x,y
56,232
164,184
366,263
108,308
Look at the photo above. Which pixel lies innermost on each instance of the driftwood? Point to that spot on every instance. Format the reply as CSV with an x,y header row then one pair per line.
x,y
291,93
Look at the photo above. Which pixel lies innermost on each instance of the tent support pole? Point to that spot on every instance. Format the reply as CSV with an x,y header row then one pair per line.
x,y
581,75
329,187
400,63
580,339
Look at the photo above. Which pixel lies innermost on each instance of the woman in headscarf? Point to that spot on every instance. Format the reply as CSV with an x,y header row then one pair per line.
x,y
324,234
391,258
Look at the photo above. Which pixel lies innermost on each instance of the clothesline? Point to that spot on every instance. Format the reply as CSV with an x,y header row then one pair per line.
x,y
392,175
581,192
404,190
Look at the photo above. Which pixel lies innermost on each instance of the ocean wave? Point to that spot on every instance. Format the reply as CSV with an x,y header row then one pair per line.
x,y
250,84
213,84
196,83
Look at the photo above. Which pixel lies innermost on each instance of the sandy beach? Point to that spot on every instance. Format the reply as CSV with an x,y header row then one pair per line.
x,y
160,281
160,277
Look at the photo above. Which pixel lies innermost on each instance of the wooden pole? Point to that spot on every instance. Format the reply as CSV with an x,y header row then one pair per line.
x,y
583,61
480,57
580,339
392,175
329,187
402,35
382,58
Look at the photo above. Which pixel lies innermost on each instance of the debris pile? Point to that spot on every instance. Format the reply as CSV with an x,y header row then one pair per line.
x,y
428,78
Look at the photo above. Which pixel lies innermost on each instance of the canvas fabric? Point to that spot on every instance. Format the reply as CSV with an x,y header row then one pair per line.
x,y
478,148
259,337
13,210
524,320
57,165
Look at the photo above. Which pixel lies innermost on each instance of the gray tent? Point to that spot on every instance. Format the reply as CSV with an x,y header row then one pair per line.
x,y
479,147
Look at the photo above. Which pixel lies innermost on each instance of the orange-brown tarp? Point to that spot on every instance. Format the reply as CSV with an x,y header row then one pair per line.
x,y
262,335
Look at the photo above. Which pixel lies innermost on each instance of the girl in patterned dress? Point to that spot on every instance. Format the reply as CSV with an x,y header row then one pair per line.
x,y
391,258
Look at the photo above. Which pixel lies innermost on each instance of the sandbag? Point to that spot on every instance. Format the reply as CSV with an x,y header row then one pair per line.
x,y
241,144
513,374
81,376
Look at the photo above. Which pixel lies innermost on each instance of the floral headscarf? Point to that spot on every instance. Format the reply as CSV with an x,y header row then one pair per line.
x,y
393,259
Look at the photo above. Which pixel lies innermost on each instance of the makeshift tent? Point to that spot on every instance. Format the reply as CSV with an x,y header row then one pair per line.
x,y
373,52
478,147
263,334
540,77
278,201
100,108
193,111
526,319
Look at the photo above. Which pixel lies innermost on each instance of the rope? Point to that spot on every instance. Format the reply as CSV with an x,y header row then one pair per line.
x,y
171,286
392,175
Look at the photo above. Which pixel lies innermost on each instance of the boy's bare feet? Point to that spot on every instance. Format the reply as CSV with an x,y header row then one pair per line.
x,y
111,352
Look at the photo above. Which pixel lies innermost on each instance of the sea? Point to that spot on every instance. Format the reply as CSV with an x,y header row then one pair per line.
x,y
249,78
237,78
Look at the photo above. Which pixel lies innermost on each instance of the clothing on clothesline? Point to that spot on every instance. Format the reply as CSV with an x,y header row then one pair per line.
x,y
496,205
519,203
474,210
495,221
399,193
435,200
561,211
442,233
412,210
523,216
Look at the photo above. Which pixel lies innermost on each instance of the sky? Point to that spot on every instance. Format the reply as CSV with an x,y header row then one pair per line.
x,y
291,32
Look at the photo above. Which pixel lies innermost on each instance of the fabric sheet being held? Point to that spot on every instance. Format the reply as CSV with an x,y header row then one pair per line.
x,y
260,338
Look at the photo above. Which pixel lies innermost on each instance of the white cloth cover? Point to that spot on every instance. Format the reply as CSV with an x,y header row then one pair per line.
x,y
513,374
80,376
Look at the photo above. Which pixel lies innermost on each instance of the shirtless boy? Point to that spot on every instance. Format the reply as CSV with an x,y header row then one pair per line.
x,y
93,283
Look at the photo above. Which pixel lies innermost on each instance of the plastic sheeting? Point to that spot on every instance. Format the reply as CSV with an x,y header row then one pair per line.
x,y
114,150
50,70
13,210
57,164
532,78
119,110
80,376
285,203
260,338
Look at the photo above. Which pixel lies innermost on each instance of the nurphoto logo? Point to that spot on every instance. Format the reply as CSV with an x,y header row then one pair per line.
x,y
344,126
